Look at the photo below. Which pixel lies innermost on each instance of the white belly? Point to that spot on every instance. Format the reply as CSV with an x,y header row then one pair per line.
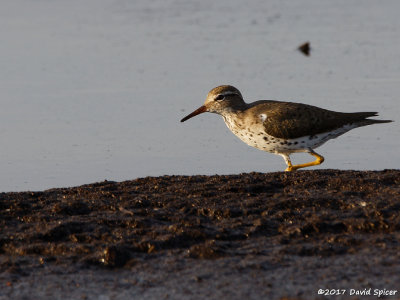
x,y
256,137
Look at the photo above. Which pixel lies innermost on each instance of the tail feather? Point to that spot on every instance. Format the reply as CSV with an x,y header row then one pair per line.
x,y
374,121
362,117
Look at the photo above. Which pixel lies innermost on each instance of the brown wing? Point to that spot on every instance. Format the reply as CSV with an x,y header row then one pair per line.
x,y
294,120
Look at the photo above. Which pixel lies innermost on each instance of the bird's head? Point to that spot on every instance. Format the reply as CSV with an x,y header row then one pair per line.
x,y
222,99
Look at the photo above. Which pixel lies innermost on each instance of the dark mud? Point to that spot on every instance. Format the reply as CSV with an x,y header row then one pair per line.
x,y
195,237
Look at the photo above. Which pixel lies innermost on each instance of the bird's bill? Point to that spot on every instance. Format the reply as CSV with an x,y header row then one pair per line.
x,y
198,111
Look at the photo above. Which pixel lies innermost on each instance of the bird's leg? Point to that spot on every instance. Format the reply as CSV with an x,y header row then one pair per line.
x,y
320,159
287,161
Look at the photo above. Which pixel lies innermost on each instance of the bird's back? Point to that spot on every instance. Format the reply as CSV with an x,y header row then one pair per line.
x,y
293,120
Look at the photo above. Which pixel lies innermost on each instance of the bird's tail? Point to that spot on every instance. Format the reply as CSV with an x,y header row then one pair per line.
x,y
362,118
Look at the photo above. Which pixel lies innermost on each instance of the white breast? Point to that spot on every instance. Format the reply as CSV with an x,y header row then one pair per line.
x,y
254,135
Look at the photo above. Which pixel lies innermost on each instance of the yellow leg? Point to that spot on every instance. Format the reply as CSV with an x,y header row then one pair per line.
x,y
290,168
320,159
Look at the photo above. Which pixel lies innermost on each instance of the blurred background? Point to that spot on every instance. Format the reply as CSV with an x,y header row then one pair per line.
x,y
93,90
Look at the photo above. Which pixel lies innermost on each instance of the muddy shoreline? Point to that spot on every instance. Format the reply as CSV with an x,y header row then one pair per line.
x,y
259,236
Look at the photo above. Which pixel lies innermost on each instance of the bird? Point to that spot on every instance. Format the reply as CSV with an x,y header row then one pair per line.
x,y
280,127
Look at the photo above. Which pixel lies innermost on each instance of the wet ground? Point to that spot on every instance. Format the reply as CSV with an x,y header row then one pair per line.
x,y
259,236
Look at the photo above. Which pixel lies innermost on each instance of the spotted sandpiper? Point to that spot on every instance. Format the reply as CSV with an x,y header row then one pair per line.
x,y
279,127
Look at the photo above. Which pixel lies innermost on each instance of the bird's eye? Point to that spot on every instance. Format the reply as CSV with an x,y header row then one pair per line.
x,y
219,97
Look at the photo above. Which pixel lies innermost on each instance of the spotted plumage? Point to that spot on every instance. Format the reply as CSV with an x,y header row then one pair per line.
x,y
281,127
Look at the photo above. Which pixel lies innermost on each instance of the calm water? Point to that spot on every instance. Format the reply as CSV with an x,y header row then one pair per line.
x,y
93,90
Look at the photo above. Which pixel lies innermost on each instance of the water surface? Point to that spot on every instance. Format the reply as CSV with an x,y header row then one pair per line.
x,y
94,90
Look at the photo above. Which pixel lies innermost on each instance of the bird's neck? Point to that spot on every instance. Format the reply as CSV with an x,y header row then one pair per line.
x,y
234,109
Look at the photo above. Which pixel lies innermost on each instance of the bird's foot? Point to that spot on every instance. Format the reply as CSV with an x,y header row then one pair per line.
x,y
320,159
290,169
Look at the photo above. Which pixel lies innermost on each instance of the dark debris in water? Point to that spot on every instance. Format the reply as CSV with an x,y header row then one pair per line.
x,y
305,48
